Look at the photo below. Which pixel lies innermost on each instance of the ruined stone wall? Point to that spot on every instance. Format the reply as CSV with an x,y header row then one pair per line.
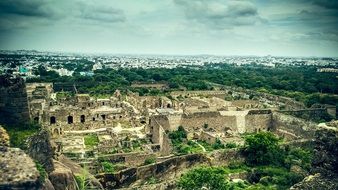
x,y
211,93
13,101
159,135
215,120
160,169
316,114
130,159
258,120
236,121
292,127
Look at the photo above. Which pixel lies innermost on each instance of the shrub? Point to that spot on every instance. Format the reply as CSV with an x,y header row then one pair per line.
x,y
178,135
150,160
279,176
42,172
230,145
91,140
218,144
208,177
263,149
108,167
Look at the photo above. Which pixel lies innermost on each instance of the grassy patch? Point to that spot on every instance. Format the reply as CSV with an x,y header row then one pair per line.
x,y
108,167
91,140
19,134
150,160
42,172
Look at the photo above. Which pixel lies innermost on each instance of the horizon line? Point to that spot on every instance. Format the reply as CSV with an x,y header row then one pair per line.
x,y
164,54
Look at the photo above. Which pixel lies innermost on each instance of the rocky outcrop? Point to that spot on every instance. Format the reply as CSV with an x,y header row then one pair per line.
x,y
62,177
17,170
315,182
41,149
91,181
325,159
324,164
4,137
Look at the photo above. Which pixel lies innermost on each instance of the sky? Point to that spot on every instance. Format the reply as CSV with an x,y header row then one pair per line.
x,y
181,27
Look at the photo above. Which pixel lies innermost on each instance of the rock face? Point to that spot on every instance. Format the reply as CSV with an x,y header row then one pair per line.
x,y
315,182
17,170
13,101
4,138
325,159
41,150
62,177
325,163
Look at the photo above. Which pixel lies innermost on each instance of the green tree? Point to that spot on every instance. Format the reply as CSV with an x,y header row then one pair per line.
x,y
207,177
263,149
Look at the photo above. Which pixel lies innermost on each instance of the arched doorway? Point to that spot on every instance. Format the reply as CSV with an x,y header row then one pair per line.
x,y
70,119
52,120
82,118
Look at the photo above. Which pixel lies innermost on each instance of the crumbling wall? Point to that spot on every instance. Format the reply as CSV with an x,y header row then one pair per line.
x,y
160,169
258,120
13,101
315,115
292,127
215,120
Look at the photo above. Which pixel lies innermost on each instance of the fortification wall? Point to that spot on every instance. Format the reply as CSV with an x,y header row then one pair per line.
x,y
214,120
13,101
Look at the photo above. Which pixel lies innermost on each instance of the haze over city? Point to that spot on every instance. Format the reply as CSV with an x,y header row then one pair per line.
x,y
253,27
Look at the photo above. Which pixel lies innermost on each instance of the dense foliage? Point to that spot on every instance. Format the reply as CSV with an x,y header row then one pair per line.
x,y
303,83
207,177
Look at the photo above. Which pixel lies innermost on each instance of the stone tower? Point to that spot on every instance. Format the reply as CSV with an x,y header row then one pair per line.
x,y
13,101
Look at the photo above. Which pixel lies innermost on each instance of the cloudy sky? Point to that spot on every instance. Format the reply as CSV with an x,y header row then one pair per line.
x,y
221,27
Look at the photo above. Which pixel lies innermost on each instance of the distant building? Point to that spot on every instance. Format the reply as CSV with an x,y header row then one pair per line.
x,y
87,73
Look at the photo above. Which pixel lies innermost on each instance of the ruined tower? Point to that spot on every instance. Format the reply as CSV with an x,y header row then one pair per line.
x,y
13,101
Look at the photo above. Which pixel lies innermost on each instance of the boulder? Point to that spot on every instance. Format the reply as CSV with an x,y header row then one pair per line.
x,y
17,170
62,177
41,149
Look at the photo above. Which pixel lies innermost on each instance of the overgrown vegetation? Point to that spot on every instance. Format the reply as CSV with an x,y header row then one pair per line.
x,y
19,134
181,144
42,172
108,167
150,160
268,165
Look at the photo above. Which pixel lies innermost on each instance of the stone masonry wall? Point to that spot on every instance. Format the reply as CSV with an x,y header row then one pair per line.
x,y
13,101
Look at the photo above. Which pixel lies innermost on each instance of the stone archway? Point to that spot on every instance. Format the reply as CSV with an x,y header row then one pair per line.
x,y
52,120
82,118
70,119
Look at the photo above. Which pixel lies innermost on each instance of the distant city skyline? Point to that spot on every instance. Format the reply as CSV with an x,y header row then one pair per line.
x,y
172,27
